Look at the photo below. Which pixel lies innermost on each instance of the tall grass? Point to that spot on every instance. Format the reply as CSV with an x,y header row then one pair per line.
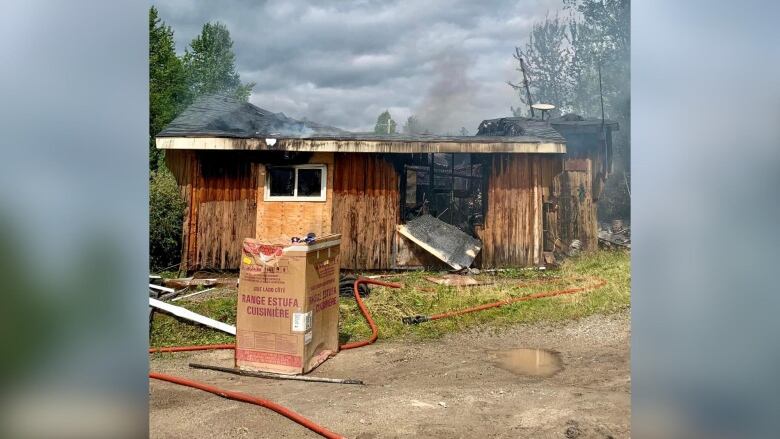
x,y
420,296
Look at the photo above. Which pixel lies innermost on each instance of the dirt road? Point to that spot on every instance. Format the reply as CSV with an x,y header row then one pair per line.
x,y
449,388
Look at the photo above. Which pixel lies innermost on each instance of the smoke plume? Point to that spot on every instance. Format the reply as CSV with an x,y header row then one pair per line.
x,y
450,101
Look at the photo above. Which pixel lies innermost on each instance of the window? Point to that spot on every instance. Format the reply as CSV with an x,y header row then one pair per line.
x,y
295,183
449,186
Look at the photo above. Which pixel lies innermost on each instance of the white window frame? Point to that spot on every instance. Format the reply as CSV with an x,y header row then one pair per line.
x,y
324,174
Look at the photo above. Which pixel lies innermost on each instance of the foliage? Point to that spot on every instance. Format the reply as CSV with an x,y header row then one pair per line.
x,y
418,296
412,126
463,132
210,64
548,57
385,124
167,83
564,60
169,331
166,209
601,39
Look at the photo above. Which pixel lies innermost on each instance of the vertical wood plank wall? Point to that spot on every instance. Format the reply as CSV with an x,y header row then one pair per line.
x,y
220,208
579,186
295,218
366,205
517,187
362,203
577,217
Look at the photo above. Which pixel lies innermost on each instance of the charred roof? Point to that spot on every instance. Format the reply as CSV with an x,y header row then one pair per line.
x,y
554,128
519,126
571,122
220,115
223,122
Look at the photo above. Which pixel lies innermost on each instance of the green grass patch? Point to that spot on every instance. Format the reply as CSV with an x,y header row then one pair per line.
x,y
167,330
419,296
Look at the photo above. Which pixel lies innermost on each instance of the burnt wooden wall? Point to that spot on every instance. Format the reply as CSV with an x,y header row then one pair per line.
x,y
219,189
512,235
577,189
576,204
366,204
224,197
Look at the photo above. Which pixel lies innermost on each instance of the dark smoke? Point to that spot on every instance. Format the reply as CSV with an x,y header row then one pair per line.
x,y
449,103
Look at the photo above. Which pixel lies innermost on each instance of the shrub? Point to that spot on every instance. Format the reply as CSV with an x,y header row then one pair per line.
x,y
166,210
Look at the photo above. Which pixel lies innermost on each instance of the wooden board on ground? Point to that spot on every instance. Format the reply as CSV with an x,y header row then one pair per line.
x,y
442,240
457,280
185,282
410,255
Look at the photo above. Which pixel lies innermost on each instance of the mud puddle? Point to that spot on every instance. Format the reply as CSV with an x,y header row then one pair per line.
x,y
529,361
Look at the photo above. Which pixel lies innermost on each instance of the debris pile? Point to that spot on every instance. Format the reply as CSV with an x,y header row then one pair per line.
x,y
615,235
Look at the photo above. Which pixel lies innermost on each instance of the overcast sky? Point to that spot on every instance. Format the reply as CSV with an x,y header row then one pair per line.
x,y
344,62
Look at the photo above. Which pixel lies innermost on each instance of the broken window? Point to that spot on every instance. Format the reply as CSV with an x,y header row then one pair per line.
x,y
281,182
309,182
296,183
448,186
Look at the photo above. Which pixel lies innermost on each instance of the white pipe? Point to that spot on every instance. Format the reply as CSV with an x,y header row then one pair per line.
x,y
189,315
166,289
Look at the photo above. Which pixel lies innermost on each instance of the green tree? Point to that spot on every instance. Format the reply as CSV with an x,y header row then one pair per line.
x,y
548,57
210,64
564,60
167,83
601,40
412,126
385,124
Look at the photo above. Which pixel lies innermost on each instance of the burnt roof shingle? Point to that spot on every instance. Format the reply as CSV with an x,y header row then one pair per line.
x,y
223,116
519,126
220,115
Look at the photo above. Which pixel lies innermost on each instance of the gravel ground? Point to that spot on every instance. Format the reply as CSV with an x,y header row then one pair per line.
x,y
448,388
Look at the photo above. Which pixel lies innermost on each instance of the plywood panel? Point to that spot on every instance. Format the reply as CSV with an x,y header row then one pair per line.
x,y
295,218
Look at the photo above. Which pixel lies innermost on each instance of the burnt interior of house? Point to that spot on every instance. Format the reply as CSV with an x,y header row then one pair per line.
x,y
448,186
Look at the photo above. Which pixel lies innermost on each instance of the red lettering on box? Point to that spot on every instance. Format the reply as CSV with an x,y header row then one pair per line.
x,y
268,358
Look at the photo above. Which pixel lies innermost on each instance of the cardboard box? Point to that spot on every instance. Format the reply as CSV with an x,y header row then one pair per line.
x,y
288,304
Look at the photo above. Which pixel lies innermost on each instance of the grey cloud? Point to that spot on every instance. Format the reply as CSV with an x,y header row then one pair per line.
x,y
344,62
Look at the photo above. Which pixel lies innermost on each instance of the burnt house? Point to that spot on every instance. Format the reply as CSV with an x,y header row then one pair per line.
x,y
570,210
249,172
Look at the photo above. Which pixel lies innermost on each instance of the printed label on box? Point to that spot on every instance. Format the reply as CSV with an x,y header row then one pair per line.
x,y
301,321
307,338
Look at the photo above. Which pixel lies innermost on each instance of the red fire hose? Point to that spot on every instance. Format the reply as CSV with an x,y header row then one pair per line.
x,y
243,397
238,396
412,320
366,314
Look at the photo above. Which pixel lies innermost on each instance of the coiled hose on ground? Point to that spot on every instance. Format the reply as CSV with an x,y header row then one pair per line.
x,y
238,396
